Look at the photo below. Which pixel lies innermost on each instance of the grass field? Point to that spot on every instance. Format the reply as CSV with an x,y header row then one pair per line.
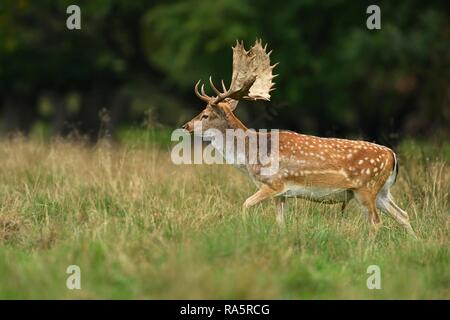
x,y
140,227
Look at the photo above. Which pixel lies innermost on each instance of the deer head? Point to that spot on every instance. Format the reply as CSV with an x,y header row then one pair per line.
x,y
251,80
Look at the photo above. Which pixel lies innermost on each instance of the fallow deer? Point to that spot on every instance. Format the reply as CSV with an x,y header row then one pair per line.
x,y
315,168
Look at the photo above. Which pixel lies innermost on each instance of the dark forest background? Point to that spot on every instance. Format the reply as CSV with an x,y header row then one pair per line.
x,y
134,63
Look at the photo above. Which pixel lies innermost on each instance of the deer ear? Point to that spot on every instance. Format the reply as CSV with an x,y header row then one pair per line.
x,y
232,104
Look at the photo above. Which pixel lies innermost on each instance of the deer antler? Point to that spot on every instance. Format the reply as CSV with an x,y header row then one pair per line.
x,y
251,78
254,63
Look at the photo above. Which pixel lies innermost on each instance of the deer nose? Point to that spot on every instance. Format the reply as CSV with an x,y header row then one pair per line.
x,y
185,126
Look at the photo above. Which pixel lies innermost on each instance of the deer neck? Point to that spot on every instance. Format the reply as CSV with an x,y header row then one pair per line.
x,y
234,123
238,156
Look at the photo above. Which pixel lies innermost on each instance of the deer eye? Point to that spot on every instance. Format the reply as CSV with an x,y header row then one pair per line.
x,y
205,116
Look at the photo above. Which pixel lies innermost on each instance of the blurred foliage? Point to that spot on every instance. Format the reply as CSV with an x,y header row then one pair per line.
x,y
140,58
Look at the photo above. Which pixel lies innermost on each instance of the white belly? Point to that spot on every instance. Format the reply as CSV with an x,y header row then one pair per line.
x,y
317,193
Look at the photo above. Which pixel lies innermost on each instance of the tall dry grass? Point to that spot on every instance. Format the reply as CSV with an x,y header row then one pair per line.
x,y
141,227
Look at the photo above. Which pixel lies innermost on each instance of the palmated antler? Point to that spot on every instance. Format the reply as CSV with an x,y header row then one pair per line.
x,y
251,78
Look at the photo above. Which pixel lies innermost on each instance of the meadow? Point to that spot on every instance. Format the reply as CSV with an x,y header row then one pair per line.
x,y
140,227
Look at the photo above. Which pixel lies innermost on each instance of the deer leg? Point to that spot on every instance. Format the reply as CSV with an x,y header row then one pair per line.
x,y
366,200
386,203
344,205
348,198
263,193
281,207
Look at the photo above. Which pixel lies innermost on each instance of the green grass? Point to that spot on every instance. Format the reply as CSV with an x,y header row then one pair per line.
x,y
140,227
